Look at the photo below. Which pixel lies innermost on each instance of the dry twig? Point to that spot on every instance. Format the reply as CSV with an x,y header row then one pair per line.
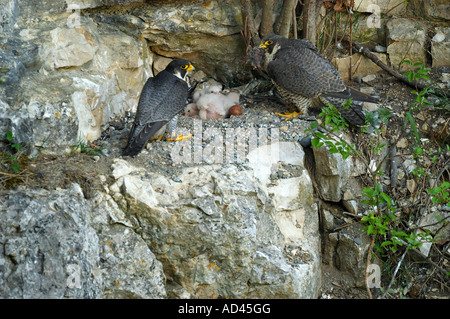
x,y
419,85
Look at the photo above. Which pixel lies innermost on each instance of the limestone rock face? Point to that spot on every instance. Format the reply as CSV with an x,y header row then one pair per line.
x,y
431,9
80,64
60,245
227,232
211,231
380,6
164,224
68,47
206,33
406,39
440,47
68,83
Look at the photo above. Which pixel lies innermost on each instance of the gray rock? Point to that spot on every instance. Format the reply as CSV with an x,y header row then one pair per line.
x,y
331,174
406,39
68,47
346,250
85,80
228,232
440,47
59,245
430,9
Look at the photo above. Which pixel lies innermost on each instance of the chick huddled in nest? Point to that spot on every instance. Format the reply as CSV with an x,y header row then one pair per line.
x,y
211,102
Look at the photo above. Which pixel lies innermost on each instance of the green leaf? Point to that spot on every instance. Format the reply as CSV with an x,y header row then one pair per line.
x,y
15,167
387,242
9,136
386,198
418,151
390,217
406,61
16,146
315,142
398,233
413,125
377,188
321,135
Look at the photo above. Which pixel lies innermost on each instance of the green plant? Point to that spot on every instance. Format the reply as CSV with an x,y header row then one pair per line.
x,y
12,159
336,121
421,74
420,100
13,163
384,222
440,194
86,148
2,78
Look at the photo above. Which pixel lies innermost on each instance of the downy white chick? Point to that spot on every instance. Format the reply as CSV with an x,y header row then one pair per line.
x,y
207,89
216,105
191,110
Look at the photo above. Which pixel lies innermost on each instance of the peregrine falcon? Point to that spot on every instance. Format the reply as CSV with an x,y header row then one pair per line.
x,y
301,75
162,98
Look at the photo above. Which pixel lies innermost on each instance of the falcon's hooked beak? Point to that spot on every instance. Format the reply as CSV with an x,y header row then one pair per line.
x,y
189,73
262,45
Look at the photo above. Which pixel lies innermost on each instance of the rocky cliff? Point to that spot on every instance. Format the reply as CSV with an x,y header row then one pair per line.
x,y
241,210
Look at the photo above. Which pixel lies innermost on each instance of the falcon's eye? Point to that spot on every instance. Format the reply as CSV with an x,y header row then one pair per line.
x,y
268,42
184,66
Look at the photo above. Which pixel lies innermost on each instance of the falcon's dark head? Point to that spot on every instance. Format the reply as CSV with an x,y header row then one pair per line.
x,y
180,68
269,42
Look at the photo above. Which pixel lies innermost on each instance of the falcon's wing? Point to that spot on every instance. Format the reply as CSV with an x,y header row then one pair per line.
x,y
354,94
162,97
303,70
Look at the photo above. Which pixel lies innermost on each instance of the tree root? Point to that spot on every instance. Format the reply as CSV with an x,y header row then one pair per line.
x,y
418,85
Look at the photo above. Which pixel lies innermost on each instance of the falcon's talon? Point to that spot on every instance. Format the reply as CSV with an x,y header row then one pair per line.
x,y
179,138
289,116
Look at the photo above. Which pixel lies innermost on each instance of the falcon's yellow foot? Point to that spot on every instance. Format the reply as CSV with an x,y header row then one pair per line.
x,y
178,138
289,116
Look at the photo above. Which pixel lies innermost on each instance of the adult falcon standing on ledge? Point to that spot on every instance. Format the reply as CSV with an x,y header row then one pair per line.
x,y
162,98
302,75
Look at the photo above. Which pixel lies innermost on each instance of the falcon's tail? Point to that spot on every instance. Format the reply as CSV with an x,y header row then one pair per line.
x,y
354,94
353,115
133,149
145,132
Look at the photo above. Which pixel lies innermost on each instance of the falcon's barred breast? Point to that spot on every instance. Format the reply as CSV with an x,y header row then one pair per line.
x,y
162,98
301,74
